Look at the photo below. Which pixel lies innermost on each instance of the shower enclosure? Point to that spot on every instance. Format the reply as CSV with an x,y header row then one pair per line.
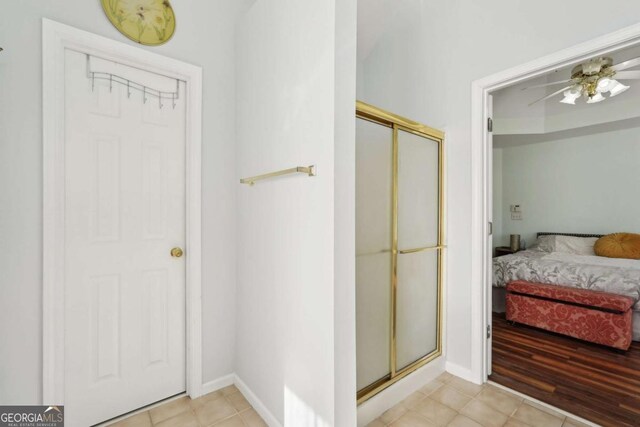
x,y
399,247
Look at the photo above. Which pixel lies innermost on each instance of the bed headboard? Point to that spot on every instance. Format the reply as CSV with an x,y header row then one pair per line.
x,y
546,233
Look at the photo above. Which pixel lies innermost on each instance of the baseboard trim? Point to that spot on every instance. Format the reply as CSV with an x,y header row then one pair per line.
x,y
257,404
460,371
217,384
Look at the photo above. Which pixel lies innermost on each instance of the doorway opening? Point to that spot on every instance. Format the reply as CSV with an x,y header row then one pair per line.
x,y
507,143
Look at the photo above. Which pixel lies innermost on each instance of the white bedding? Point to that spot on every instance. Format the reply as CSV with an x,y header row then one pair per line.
x,y
618,276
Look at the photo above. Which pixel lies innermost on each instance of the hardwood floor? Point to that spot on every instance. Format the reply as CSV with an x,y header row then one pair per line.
x,y
592,381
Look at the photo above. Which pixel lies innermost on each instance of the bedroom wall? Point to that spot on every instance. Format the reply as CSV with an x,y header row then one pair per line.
x,y
498,207
205,37
423,68
585,184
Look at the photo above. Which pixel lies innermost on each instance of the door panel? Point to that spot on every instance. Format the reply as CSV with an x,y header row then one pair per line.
x,y
124,211
374,153
418,191
417,306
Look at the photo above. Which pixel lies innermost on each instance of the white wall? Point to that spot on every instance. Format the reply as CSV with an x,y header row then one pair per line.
x,y
424,71
585,184
344,214
290,109
498,207
204,36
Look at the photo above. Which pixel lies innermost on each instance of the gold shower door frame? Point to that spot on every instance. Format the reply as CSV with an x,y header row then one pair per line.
x,y
397,123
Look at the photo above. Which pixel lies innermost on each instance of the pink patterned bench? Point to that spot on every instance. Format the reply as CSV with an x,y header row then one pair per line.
x,y
598,317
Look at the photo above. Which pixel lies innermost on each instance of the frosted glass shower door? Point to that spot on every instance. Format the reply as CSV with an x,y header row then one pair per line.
x,y
398,247
374,150
417,299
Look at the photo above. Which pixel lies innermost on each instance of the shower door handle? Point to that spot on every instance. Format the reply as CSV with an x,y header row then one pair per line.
x,y
426,248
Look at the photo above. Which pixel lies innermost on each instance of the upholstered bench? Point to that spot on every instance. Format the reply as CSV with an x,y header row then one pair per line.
x,y
598,317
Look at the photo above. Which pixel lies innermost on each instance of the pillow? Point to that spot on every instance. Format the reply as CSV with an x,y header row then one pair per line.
x,y
566,244
545,244
619,245
575,245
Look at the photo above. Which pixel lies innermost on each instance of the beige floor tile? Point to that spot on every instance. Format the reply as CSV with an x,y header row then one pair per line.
x,y
170,409
506,403
252,418
234,421
238,401
413,400
203,400
229,390
544,408
462,421
139,420
376,423
214,411
484,414
185,419
512,422
445,377
451,397
436,412
535,417
390,415
431,387
466,387
412,419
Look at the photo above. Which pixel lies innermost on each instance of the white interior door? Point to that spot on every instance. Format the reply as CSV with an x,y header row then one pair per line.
x,y
124,212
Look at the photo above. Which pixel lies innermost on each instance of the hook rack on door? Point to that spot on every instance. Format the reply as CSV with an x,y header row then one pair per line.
x,y
131,85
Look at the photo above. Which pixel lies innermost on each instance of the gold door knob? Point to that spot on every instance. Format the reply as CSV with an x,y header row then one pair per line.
x,y
176,252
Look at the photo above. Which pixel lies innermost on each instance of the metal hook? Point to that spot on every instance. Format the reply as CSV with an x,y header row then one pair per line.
x,y
128,89
144,94
160,101
110,83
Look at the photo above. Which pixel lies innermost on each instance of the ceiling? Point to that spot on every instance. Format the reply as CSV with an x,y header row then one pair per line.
x,y
513,115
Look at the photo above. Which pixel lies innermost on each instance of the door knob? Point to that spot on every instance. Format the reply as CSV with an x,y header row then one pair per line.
x,y
176,252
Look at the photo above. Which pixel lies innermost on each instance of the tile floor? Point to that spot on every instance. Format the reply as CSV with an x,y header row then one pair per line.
x,y
454,402
222,408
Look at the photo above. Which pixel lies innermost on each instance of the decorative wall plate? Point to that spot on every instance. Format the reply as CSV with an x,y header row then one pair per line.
x,y
148,22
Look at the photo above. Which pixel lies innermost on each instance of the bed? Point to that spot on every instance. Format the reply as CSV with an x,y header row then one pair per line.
x,y
613,275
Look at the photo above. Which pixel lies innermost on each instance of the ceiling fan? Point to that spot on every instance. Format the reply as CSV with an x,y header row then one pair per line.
x,y
592,79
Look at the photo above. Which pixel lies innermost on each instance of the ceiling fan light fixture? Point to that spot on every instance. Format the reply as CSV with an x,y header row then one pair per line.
x,y
604,84
571,95
595,98
618,88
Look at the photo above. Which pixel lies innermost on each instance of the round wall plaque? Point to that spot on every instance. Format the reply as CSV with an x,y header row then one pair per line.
x,y
148,22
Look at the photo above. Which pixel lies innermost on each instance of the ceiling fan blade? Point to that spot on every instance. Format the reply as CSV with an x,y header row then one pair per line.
x,y
627,75
551,96
546,84
626,64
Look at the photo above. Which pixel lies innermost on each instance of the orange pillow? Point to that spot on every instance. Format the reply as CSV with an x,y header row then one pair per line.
x,y
618,245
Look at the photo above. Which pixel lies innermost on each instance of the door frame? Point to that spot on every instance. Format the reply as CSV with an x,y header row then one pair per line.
x,y
481,168
56,38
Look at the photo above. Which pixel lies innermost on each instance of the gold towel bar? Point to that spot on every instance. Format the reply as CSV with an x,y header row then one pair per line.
x,y
309,170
